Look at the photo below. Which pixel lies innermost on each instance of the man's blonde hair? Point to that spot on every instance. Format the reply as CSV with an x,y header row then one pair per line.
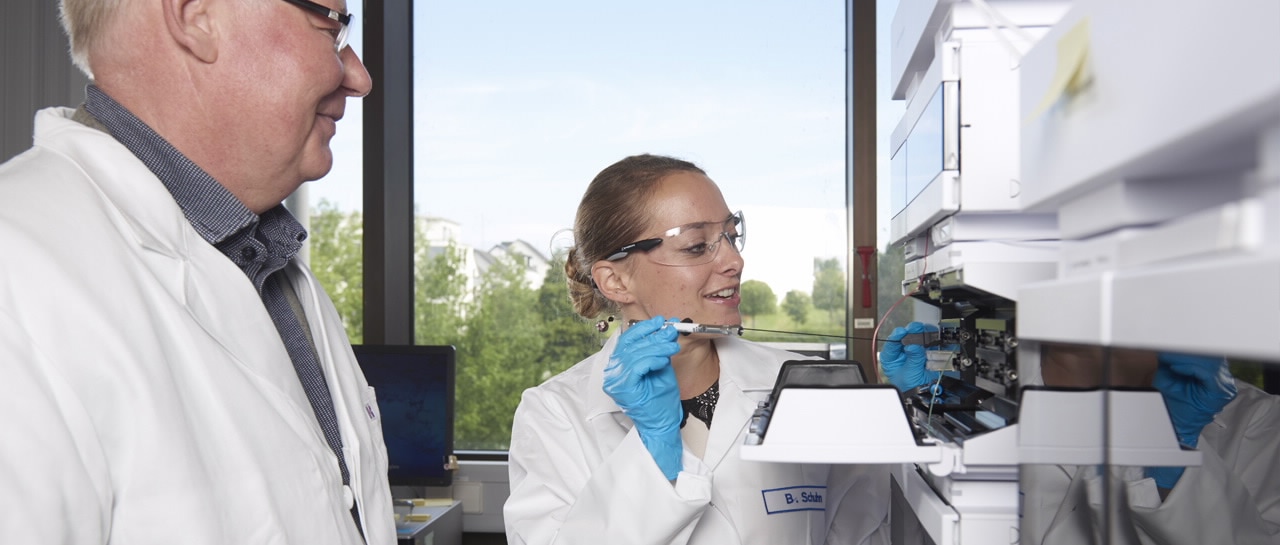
x,y
83,21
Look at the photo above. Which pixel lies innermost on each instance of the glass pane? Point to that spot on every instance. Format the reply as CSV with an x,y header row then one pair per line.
x,y
924,148
1124,442
332,212
519,106
892,175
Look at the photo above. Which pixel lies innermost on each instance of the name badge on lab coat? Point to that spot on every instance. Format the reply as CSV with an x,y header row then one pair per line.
x,y
795,498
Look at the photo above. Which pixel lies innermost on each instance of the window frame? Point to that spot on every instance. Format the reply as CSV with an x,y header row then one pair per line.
x,y
388,178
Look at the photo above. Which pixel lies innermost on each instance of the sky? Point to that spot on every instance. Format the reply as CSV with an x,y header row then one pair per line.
x,y
518,106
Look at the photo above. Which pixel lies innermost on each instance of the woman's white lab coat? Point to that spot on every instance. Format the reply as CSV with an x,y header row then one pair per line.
x,y
145,395
1233,497
580,474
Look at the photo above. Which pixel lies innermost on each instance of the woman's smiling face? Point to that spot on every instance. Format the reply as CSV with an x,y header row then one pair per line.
x,y
707,293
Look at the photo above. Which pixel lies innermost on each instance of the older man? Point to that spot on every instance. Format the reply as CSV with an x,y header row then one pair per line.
x,y
169,372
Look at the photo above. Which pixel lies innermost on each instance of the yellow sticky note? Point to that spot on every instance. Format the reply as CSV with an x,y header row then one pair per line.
x,y
432,502
1072,72
418,517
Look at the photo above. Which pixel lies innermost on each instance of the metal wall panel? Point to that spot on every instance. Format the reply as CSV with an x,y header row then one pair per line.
x,y
35,71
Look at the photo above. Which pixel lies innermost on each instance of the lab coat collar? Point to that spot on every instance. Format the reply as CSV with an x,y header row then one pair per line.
x,y
214,291
747,373
749,365
598,402
147,208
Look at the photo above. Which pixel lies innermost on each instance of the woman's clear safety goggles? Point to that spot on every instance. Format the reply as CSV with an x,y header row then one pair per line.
x,y
691,244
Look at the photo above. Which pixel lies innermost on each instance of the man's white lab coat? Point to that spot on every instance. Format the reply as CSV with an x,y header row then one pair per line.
x,y
145,394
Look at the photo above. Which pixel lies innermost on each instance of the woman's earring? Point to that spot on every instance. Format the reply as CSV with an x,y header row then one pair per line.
x,y
603,325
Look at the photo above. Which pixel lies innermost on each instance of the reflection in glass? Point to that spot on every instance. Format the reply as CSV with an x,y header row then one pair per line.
x,y
898,180
1212,480
925,147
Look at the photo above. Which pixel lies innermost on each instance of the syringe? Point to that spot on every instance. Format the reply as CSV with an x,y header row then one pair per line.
x,y
689,327
685,327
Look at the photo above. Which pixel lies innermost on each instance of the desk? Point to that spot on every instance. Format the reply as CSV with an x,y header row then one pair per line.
x,y
443,528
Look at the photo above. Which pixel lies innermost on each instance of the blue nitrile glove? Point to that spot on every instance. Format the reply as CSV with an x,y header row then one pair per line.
x,y
640,379
1195,389
1166,477
904,366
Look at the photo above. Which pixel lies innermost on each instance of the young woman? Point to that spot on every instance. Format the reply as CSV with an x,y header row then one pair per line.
x,y
639,442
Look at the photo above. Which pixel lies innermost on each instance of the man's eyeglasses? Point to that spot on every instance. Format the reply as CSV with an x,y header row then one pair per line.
x,y
692,244
343,19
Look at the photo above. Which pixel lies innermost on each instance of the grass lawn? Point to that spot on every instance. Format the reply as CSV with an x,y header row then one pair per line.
x,y
818,322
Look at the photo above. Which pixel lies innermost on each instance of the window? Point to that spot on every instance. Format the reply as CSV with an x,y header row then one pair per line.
x,y
331,209
519,106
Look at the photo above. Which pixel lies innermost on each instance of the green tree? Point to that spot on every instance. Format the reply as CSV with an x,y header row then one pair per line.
x,y
509,336
570,338
890,274
337,260
828,286
796,304
440,293
498,355
757,299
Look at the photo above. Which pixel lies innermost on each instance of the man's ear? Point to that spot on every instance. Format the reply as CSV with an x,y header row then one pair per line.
x,y
192,25
612,281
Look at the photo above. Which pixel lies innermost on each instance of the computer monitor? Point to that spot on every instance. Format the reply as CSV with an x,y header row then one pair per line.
x,y
415,390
